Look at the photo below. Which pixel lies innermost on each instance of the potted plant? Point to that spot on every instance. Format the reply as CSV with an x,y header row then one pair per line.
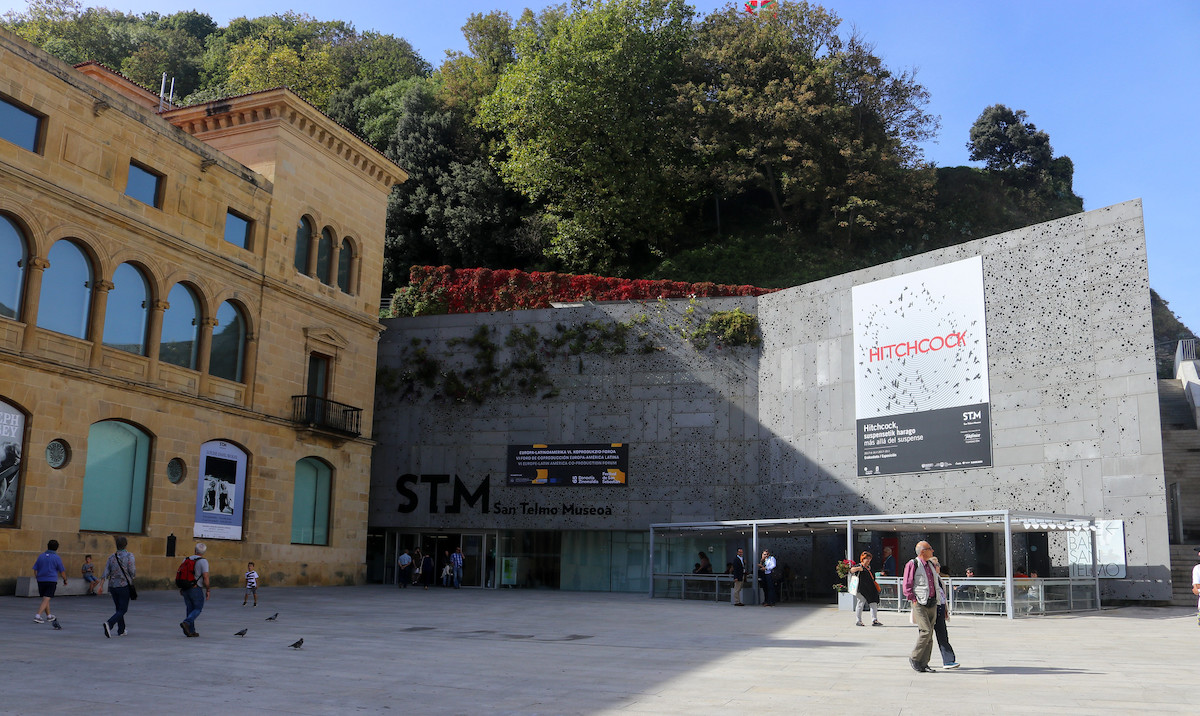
x,y
845,598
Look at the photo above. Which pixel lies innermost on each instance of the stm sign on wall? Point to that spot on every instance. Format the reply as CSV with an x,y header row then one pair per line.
x,y
921,371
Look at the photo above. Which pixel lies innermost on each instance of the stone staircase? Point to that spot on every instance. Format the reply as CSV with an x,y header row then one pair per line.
x,y
1183,558
1174,408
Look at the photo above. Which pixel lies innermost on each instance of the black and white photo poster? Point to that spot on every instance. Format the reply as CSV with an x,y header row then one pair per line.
x,y
921,389
221,489
12,435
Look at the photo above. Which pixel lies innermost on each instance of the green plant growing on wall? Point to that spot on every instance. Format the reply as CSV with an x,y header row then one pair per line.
x,y
728,328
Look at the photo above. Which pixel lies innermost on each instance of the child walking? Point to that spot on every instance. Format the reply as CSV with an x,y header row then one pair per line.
x,y
251,584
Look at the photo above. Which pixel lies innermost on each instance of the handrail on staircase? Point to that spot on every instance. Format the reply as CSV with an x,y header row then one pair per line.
x,y
1185,351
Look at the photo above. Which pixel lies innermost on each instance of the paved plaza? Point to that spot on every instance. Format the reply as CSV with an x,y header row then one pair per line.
x,y
378,649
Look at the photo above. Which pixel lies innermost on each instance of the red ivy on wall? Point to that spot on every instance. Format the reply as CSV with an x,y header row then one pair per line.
x,y
481,290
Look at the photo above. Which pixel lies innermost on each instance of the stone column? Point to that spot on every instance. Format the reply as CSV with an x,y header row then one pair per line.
x,y
203,353
96,321
29,302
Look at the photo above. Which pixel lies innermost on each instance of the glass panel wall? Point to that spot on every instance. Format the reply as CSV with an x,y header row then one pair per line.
x,y
127,314
66,291
13,260
180,328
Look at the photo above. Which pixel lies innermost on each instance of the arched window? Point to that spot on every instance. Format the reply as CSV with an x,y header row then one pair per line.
x,y
128,311
304,233
310,503
345,256
114,480
180,328
66,291
228,344
325,257
14,257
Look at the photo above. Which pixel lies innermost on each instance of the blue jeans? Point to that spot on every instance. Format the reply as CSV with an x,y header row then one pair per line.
x,y
120,597
457,576
193,600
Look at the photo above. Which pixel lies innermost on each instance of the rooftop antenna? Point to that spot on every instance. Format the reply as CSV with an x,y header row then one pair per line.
x,y
163,99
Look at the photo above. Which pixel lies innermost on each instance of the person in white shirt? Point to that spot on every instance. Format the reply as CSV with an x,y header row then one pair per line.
x,y
1196,585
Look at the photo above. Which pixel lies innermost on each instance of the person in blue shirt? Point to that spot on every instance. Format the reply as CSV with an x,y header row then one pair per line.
x,y
49,569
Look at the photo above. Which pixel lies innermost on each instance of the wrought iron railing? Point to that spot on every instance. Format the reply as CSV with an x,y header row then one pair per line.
x,y
326,414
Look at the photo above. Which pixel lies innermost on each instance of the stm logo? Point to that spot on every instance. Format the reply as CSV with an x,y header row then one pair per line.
x,y
970,415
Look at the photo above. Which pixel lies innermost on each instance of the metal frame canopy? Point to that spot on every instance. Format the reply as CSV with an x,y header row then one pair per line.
x,y
1006,521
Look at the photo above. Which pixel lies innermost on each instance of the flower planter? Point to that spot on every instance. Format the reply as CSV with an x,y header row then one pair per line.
x,y
845,601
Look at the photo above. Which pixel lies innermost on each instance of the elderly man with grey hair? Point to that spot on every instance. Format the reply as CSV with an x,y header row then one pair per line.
x,y
923,588
195,594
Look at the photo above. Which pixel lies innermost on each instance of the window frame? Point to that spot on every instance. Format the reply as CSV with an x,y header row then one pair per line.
x,y
248,234
39,131
159,183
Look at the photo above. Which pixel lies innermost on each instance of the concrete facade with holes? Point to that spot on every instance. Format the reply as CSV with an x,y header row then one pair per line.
x,y
769,431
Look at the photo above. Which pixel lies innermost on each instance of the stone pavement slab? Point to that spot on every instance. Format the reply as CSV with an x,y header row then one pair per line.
x,y
379,650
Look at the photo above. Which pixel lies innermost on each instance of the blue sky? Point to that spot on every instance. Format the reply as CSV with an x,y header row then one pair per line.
x,y
1116,85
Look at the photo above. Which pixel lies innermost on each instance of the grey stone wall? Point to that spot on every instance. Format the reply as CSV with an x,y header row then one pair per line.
x,y
741,432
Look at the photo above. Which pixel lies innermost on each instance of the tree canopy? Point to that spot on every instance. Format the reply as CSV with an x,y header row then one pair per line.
x,y
633,138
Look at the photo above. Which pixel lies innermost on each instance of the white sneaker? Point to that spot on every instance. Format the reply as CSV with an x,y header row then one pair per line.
x,y
952,665
37,619
124,633
50,617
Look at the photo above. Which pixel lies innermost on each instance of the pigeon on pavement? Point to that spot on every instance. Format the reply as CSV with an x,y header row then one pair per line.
x,y
298,644
273,617
56,624
241,633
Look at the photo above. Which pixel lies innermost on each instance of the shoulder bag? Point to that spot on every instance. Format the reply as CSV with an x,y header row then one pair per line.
x,y
132,588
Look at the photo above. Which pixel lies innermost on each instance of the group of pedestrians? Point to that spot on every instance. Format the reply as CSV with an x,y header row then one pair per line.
x,y
193,579
417,568
768,577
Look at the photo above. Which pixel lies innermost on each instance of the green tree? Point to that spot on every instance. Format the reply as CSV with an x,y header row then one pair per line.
x,y
1004,140
591,128
785,109
454,209
270,60
466,79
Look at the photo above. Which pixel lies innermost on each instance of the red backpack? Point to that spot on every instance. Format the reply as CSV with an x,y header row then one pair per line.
x,y
185,576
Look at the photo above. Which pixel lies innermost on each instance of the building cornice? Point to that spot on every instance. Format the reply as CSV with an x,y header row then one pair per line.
x,y
235,115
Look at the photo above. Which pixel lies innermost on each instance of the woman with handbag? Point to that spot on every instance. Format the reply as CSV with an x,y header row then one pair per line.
x,y
868,590
119,571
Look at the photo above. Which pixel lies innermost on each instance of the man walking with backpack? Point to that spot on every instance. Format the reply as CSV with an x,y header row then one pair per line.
x,y
193,583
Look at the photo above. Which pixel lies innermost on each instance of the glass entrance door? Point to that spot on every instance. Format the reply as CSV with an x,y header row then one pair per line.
x,y
473,560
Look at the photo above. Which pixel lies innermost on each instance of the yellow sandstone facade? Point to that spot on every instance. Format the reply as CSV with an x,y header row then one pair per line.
x,y
260,220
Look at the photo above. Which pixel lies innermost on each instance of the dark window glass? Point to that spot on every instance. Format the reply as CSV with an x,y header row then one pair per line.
x,y
180,328
66,291
19,126
143,185
228,344
345,256
237,230
325,257
12,268
127,311
303,239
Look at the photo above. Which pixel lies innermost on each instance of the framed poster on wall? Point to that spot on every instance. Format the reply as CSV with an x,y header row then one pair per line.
x,y
220,491
921,391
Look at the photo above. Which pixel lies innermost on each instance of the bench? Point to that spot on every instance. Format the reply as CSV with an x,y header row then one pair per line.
x,y
27,587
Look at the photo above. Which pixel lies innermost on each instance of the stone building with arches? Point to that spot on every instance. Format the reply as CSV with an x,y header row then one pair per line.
x,y
187,296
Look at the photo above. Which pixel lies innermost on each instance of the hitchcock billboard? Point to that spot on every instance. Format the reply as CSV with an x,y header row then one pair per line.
x,y
921,371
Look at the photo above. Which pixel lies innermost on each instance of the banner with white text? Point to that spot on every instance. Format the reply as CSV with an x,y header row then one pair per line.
x,y
580,464
921,391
